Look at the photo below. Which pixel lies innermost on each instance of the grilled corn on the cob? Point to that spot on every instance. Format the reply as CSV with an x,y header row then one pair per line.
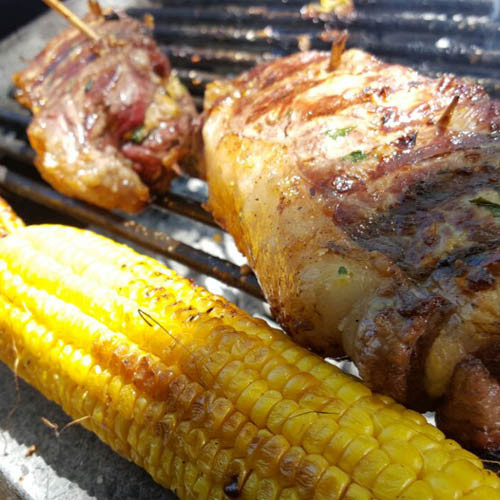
x,y
211,402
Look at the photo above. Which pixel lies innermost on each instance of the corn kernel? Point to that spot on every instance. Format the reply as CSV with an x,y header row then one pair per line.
x,y
318,434
442,486
355,451
260,410
418,490
370,466
358,419
269,456
188,393
352,392
402,452
464,474
356,492
483,493
290,462
251,395
289,494
268,489
332,484
393,480
279,414
339,443
435,459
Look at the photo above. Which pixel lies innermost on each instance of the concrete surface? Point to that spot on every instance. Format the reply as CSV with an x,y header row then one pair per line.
x,y
74,466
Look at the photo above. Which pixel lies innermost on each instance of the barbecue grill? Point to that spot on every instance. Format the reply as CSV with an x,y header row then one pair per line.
x,y
204,40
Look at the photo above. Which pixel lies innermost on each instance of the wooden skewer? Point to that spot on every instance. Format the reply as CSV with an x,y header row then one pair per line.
x,y
72,18
337,49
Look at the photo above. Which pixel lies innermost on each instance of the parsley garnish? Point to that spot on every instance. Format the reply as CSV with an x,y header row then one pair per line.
x,y
340,132
356,156
342,271
139,134
494,208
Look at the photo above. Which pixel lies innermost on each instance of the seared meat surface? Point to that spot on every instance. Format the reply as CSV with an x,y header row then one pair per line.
x,y
111,122
366,197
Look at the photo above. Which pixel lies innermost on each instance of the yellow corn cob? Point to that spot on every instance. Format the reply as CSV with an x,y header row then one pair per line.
x,y
211,402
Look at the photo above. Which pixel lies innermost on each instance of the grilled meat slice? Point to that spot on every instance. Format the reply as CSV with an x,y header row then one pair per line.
x,y
111,122
366,197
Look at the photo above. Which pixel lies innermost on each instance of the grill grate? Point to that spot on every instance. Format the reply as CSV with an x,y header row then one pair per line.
x,y
207,40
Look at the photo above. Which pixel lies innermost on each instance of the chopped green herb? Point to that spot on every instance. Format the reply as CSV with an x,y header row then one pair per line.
x,y
340,132
356,156
89,85
342,271
494,208
139,134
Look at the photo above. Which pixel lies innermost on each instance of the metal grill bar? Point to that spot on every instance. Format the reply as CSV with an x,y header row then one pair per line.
x,y
130,229
230,40
479,7
471,26
184,206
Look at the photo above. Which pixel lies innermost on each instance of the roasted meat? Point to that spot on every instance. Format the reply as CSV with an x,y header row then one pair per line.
x,y
366,197
111,121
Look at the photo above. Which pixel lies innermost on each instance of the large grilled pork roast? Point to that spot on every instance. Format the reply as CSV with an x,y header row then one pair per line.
x,y
366,197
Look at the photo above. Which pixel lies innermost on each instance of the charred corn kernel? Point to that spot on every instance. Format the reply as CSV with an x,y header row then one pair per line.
x,y
231,427
310,470
332,484
204,397
290,462
269,456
